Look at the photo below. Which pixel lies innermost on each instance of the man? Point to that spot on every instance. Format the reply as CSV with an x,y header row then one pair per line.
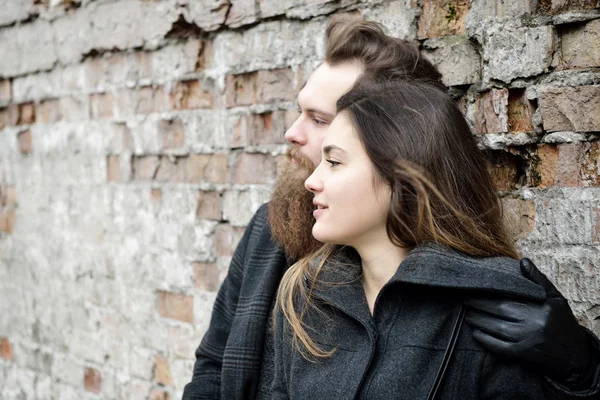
x,y
234,360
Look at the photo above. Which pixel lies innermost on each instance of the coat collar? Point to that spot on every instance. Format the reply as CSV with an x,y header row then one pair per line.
x,y
429,266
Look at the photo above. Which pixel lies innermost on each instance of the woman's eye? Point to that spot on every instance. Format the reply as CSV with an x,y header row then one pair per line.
x,y
333,163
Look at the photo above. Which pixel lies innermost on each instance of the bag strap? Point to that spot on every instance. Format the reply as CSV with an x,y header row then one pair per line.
x,y
460,316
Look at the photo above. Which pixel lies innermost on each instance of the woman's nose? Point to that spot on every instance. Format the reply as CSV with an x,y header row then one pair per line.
x,y
313,183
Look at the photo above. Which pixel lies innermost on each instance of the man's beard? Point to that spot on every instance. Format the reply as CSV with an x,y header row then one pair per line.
x,y
291,207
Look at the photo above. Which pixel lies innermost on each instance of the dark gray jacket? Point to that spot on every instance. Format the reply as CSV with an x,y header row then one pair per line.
x,y
396,353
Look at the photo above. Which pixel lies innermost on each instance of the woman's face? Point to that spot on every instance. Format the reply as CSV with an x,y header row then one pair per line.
x,y
351,202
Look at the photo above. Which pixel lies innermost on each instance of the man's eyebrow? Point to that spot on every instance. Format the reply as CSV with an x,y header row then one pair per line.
x,y
330,147
315,111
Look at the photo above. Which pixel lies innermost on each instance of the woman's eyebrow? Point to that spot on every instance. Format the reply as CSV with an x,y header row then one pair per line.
x,y
327,149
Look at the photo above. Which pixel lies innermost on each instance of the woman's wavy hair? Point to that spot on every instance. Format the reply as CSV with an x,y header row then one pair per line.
x,y
422,147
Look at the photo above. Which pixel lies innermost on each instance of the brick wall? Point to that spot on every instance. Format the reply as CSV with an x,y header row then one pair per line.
x,y
137,138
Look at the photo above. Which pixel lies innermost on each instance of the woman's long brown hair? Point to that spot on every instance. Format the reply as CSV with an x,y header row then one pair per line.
x,y
422,147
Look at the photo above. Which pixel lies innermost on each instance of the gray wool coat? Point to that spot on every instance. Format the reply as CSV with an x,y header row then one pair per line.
x,y
396,353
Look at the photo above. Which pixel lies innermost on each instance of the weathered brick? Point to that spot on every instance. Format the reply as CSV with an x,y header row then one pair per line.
x,y
101,106
590,169
121,138
456,58
7,221
596,232
520,111
506,169
144,167
205,55
13,11
48,112
4,118
579,46
190,95
27,48
490,111
23,114
240,89
519,53
242,12
158,394
547,165
209,15
442,18
25,142
74,108
171,169
206,276
254,168
171,133
206,168
176,306
259,129
499,10
567,165
5,92
113,168
5,346
162,371
571,108
560,6
227,238
92,380
519,217
156,198
275,85
8,196
209,205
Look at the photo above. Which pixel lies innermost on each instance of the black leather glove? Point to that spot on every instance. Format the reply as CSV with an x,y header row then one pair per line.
x,y
544,335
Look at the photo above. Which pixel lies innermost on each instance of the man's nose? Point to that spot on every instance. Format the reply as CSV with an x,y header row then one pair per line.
x,y
296,134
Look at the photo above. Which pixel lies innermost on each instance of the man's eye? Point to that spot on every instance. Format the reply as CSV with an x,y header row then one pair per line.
x,y
333,163
320,121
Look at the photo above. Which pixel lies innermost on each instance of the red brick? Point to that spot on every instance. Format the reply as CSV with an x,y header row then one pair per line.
x,y
275,85
48,112
209,206
206,168
113,168
101,106
240,89
144,168
571,108
190,95
171,169
254,168
25,142
5,92
227,238
92,380
26,114
6,348
590,170
520,111
8,196
171,133
176,306
491,112
7,221
505,170
442,18
547,165
159,394
519,217
162,372
206,276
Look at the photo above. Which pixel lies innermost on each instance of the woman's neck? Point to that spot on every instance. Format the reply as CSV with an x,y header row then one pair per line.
x,y
380,261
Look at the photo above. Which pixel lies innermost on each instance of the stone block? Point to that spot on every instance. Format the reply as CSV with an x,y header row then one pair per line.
x,y
579,46
209,206
190,95
442,18
499,10
162,371
489,113
302,9
561,6
254,168
456,57
27,48
519,217
570,108
176,306
242,12
518,53
92,380
206,276
398,16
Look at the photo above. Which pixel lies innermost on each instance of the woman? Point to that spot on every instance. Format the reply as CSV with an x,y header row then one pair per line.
x,y
412,224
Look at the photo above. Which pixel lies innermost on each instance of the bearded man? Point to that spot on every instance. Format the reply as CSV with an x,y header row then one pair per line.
x,y
235,358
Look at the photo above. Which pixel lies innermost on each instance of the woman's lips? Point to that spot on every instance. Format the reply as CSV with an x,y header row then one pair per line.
x,y
319,211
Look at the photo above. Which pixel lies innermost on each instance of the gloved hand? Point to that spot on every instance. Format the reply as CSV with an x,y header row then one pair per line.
x,y
543,335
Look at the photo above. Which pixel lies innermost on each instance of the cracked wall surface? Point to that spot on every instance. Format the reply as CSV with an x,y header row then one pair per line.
x,y
137,138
